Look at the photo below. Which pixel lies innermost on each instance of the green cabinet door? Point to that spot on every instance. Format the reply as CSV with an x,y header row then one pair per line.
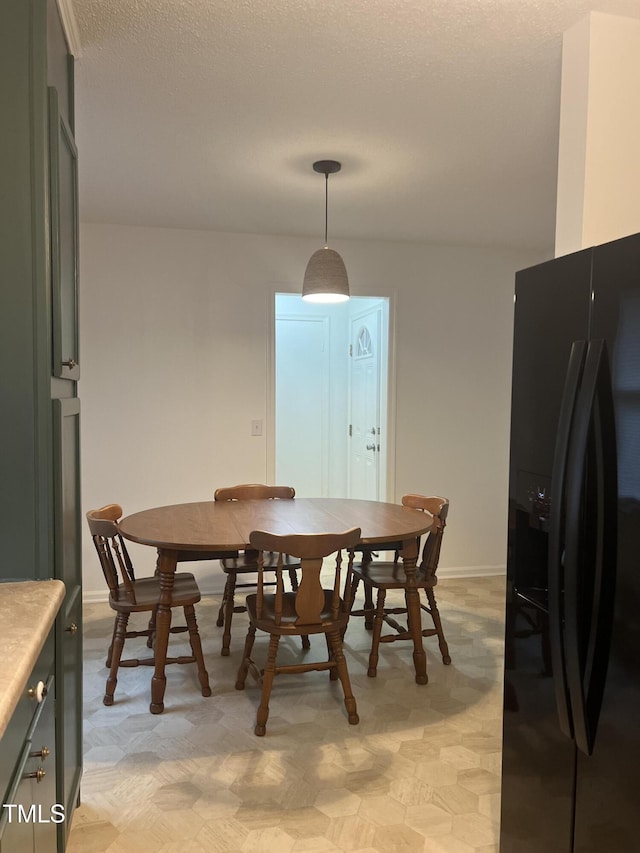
x,y
16,835
68,568
69,725
66,509
63,177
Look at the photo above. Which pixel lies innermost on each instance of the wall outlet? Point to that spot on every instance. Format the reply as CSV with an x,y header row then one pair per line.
x,y
256,427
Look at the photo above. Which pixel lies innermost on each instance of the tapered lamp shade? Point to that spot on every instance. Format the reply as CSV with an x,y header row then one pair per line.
x,y
325,279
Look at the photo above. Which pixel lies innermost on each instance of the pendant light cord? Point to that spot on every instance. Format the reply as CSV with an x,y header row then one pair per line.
x,y
326,206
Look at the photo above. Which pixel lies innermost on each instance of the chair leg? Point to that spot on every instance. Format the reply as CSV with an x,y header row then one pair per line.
x,y
267,683
435,615
368,607
414,624
343,674
241,677
227,604
116,653
377,631
333,672
196,648
353,589
152,628
113,636
220,619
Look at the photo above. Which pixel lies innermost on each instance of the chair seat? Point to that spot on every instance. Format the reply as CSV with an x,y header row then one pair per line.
x,y
248,562
390,576
147,592
289,616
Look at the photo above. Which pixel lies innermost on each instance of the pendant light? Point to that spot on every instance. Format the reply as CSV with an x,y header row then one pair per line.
x,y
325,279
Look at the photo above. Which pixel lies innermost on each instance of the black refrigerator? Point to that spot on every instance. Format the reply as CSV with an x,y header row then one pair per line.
x,y
571,732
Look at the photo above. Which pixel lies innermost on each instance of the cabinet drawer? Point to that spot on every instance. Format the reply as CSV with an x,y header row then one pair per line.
x,y
26,713
30,813
17,786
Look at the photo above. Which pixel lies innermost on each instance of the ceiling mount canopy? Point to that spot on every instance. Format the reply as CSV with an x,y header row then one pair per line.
x,y
325,279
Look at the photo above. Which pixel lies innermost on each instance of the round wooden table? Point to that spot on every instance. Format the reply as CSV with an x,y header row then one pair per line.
x,y
226,525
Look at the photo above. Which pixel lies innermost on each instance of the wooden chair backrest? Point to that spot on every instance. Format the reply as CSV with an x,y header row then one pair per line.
x,y
112,551
254,491
439,509
311,550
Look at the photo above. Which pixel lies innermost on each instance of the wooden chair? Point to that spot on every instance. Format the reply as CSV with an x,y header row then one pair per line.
x,y
310,609
384,576
129,595
246,562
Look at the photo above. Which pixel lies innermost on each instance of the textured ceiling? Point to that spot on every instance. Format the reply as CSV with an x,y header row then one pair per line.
x,y
209,113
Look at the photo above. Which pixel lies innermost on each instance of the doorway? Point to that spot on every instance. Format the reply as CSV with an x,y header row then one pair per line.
x,y
330,377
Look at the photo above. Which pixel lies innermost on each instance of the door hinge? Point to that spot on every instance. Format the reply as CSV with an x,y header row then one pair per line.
x,y
350,430
351,349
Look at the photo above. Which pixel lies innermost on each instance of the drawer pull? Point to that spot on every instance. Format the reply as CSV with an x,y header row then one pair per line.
x,y
38,775
72,629
43,753
38,692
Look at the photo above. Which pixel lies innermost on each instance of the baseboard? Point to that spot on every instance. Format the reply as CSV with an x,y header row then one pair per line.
x,y
471,571
94,596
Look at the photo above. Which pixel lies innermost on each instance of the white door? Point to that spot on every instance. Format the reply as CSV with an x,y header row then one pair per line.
x,y
365,420
302,404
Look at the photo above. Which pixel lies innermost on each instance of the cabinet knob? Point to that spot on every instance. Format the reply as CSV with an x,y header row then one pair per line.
x,y
38,692
43,753
38,775
70,363
72,629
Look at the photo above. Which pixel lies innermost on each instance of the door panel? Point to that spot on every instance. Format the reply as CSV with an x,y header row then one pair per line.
x,y
67,537
551,311
69,725
609,779
66,453
63,175
365,417
17,836
302,404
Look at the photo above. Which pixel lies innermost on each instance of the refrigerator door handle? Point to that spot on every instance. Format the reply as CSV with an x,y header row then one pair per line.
x,y
573,377
588,634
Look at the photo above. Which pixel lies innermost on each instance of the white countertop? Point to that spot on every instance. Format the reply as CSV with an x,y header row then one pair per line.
x,y
27,611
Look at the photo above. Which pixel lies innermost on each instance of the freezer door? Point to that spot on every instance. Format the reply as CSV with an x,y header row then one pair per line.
x,y
608,781
565,439
551,311
590,545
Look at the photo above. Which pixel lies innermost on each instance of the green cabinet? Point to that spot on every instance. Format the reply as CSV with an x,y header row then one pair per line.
x,y
63,181
31,814
69,724
40,511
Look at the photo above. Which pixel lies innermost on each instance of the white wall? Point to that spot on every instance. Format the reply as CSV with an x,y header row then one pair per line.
x,y
598,164
174,337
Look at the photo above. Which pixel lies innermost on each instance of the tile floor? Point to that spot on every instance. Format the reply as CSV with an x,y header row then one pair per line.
x,y
420,772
